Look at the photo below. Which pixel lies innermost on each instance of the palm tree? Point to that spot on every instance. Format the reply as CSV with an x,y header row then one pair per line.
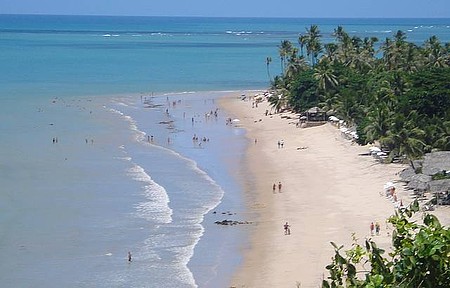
x,y
404,138
302,41
278,100
413,59
442,141
387,49
340,34
312,42
379,122
285,50
329,101
436,54
330,51
368,45
295,65
395,51
325,75
344,43
268,61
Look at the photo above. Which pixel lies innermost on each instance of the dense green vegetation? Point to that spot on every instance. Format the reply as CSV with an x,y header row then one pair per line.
x,y
398,94
420,257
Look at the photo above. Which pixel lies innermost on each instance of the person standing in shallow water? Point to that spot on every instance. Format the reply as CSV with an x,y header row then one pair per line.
x,y
129,256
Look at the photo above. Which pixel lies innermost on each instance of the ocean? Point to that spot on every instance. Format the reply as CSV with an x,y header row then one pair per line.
x,y
98,116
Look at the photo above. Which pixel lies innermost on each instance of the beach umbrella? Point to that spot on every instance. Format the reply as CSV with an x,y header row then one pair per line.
x,y
389,185
236,120
333,118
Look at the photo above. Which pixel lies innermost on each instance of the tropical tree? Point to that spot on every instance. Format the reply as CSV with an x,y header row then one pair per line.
x,y
312,43
303,91
404,138
419,257
330,52
401,99
295,65
324,73
285,50
378,122
436,55
278,100
268,61
442,136
302,41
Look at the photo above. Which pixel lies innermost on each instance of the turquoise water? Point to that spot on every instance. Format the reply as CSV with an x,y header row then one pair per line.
x,y
71,209
75,55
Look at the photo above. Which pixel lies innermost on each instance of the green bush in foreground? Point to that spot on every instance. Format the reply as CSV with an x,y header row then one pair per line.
x,y
420,257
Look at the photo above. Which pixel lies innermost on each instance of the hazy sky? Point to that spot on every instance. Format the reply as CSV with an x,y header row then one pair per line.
x,y
230,8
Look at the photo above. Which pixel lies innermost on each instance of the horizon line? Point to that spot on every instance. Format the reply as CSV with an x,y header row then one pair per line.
x,y
200,16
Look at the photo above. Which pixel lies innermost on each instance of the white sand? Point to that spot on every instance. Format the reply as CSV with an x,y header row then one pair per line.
x,y
329,192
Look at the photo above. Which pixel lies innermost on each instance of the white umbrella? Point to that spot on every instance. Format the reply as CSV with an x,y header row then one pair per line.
x,y
333,118
389,185
235,120
374,149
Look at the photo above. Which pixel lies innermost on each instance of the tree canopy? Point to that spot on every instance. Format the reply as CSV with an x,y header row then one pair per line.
x,y
397,94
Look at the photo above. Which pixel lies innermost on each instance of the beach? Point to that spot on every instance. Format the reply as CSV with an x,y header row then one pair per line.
x,y
329,193
98,117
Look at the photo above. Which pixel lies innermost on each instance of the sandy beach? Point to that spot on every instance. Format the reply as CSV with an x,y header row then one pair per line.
x,y
329,191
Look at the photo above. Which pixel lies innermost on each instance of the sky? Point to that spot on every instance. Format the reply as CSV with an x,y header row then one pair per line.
x,y
235,8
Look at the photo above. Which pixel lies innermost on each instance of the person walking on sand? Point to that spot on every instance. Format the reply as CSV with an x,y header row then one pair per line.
x,y
279,187
377,228
287,229
372,227
274,187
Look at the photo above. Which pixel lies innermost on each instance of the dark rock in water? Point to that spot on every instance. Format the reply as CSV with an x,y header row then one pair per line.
x,y
148,105
231,222
166,122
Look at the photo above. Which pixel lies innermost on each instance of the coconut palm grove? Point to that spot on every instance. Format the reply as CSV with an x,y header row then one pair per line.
x,y
391,91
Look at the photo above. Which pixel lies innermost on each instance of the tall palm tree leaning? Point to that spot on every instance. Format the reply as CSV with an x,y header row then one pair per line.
x,y
268,61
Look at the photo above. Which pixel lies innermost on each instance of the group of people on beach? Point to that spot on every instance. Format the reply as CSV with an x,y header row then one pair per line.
x,y
274,187
375,228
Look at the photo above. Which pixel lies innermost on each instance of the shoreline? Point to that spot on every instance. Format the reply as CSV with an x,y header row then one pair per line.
x,y
329,192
